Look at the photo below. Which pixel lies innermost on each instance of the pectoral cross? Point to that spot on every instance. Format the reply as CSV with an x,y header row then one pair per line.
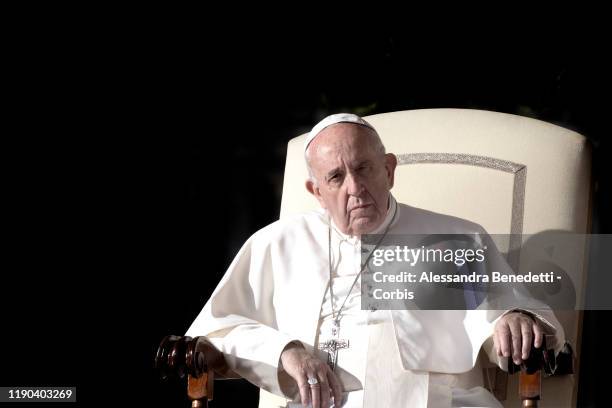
x,y
331,347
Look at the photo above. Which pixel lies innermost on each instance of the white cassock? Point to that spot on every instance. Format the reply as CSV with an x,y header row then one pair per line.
x,y
276,291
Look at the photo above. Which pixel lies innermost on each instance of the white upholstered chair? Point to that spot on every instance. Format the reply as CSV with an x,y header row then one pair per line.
x,y
511,174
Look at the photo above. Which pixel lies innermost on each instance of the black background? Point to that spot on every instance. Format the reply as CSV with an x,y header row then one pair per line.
x,y
142,148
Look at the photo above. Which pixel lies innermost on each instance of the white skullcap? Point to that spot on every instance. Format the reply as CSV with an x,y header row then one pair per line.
x,y
332,120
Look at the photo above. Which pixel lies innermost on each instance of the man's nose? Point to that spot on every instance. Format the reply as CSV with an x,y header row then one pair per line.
x,y
354,185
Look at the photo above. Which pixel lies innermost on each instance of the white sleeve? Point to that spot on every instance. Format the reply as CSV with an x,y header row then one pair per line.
x,y
239,319
253,352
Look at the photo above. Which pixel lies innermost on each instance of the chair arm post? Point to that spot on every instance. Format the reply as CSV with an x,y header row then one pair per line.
x,y
530,387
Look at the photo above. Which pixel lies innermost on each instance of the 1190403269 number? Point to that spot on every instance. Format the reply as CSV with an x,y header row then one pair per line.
x,y
24,394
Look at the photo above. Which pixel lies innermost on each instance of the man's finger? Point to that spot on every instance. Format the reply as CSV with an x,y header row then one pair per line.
x,y
315,394
324,393
503,336
526,337
538,334
335,387
496,343
515,331
304,391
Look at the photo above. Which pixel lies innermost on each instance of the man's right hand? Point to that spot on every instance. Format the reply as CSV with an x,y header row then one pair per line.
x,y
301,366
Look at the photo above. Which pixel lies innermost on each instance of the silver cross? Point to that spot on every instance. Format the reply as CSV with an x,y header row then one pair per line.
x,y
331,347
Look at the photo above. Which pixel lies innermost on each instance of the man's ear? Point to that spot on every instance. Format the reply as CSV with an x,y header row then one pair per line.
x,y
314,190
390,165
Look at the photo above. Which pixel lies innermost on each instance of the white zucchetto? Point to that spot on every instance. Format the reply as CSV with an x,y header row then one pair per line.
x,y
332,120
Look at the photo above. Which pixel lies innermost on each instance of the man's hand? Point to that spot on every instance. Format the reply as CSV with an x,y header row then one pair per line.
x,y
513,335
301,366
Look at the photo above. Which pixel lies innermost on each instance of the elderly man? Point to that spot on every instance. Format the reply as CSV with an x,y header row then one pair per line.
x,y
287,314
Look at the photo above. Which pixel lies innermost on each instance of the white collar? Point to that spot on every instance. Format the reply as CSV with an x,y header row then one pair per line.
x,y
388,218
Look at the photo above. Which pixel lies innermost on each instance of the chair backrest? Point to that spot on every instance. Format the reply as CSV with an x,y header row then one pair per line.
x,y
509,173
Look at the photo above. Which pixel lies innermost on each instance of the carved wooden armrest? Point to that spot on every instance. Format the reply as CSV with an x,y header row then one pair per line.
x,y
541,360
197,358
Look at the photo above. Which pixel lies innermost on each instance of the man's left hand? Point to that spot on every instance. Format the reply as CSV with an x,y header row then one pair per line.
x,y
514,334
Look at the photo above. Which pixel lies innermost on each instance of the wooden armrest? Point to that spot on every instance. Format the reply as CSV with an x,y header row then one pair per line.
x,y
530,371
197,358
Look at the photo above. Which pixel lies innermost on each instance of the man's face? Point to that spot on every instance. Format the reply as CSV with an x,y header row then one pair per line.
x,y
353,178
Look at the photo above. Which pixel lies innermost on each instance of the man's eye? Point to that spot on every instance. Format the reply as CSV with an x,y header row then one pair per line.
x,y
334,179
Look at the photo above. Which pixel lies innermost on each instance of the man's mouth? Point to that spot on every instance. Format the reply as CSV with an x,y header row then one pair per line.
x,y
360,206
